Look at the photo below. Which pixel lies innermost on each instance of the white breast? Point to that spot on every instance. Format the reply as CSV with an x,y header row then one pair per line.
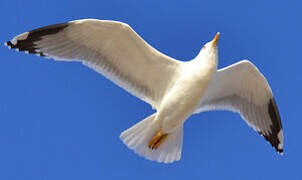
x,y
186,94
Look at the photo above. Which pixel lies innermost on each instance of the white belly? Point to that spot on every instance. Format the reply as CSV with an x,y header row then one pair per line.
x,y
185,95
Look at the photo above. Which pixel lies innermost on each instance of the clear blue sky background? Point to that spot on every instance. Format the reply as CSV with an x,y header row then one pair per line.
x,y
62,120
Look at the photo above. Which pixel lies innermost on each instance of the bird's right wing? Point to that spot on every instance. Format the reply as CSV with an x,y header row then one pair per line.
x,y
242,88
111,48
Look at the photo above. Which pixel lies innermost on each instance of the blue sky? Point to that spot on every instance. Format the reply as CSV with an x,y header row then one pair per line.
x,y
62,120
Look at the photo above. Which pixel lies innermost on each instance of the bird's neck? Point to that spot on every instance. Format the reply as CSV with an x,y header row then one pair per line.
x,y
207,58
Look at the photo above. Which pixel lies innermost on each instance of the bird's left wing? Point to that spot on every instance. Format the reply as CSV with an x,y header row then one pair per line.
x,y
111,48
242,88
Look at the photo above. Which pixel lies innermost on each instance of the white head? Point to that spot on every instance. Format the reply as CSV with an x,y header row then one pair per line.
x,y
210,50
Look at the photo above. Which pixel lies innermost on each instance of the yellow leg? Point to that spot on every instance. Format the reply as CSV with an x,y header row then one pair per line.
x,y
157,140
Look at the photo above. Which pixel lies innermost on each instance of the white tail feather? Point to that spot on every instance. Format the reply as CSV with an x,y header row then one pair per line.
x,y
138,136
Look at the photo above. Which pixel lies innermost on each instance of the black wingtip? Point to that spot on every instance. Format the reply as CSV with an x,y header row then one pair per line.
x,y
36,34
26,41
275,136
280,151
8,44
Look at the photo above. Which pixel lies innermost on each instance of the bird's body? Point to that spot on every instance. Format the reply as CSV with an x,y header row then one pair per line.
x,y
186,92
174,88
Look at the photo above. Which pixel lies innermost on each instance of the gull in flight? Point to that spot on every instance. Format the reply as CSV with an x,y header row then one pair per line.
x,y
176,89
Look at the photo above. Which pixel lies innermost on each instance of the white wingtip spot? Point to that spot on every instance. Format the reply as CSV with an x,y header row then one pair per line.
x,y
14,41
27,52
280,137
8,46
280,146
21,37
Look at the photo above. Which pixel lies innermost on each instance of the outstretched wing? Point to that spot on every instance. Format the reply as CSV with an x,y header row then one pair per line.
x,y
242,88
110,48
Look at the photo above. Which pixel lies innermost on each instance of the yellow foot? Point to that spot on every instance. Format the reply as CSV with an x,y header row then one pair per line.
x,y
157,140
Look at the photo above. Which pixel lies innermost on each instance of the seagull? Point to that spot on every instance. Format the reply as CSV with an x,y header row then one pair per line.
x,y
176,89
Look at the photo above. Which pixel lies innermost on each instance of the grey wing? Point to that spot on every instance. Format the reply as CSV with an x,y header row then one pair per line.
x,y
242,88
111,48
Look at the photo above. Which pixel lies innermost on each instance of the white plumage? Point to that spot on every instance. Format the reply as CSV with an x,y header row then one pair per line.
x,y
174,88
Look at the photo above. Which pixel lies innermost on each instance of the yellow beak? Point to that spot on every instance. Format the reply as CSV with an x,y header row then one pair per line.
x,y
215,40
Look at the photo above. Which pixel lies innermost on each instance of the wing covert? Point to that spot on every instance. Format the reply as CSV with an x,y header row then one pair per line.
x,y
242,88
111,48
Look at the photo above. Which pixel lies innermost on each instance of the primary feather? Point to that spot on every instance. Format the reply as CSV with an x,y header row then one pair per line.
x,y
242,88
110,48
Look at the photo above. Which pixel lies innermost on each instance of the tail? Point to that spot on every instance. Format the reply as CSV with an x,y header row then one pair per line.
x,y
138,136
